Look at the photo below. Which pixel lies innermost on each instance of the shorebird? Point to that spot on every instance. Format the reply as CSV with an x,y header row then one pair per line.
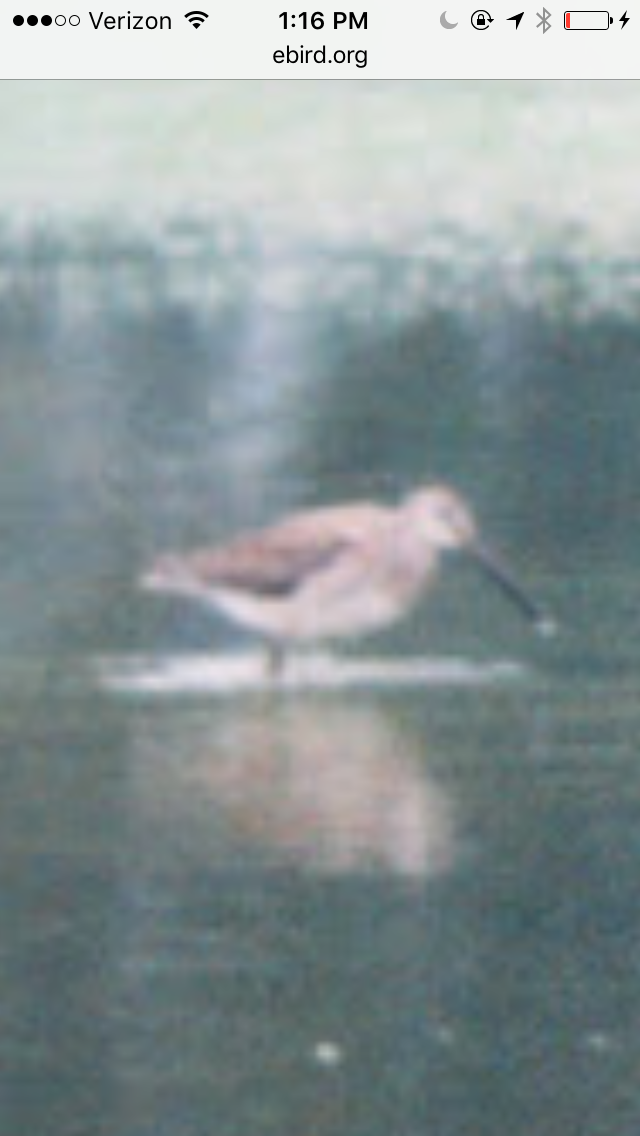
x,y
338,572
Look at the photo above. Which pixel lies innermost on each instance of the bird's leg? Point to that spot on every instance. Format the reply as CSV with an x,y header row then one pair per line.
x,y
275,661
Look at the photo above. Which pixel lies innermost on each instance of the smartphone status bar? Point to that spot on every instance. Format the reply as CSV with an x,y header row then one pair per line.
x,y
406,39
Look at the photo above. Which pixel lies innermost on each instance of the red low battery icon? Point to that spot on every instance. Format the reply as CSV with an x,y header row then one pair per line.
x,y
583,21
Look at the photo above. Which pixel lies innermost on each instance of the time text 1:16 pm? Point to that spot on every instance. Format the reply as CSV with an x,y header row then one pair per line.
x,y
317,20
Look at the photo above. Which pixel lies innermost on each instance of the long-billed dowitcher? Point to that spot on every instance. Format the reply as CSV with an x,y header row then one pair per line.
x,y
335,572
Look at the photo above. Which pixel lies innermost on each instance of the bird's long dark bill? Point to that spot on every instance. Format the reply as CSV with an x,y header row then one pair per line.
x,y
500,576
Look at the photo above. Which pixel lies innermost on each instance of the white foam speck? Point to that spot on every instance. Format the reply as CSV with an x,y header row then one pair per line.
x,y
328,1054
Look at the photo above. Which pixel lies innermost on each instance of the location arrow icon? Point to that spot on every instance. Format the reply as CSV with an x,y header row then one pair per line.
x,y
516,18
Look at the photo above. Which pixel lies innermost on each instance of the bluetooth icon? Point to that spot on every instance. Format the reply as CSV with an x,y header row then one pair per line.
x,y
545,21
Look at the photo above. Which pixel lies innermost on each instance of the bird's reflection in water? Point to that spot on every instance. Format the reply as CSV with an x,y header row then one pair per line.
x,y
325,787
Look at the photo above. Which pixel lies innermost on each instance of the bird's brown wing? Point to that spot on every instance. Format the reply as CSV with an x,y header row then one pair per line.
x,y
277,561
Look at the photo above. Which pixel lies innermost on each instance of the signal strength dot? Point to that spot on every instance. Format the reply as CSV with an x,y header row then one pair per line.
x,y
196,18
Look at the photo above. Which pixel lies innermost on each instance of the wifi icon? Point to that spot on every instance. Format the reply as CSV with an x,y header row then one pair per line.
x,y
196,18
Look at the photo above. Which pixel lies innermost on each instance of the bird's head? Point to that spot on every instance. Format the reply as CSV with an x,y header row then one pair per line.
x,y
441,517
445,523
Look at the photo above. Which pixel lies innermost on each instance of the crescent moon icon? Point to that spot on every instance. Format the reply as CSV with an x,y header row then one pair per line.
x,y
445,23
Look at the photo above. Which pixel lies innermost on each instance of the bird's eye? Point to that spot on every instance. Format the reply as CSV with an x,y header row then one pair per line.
x,y
448,516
